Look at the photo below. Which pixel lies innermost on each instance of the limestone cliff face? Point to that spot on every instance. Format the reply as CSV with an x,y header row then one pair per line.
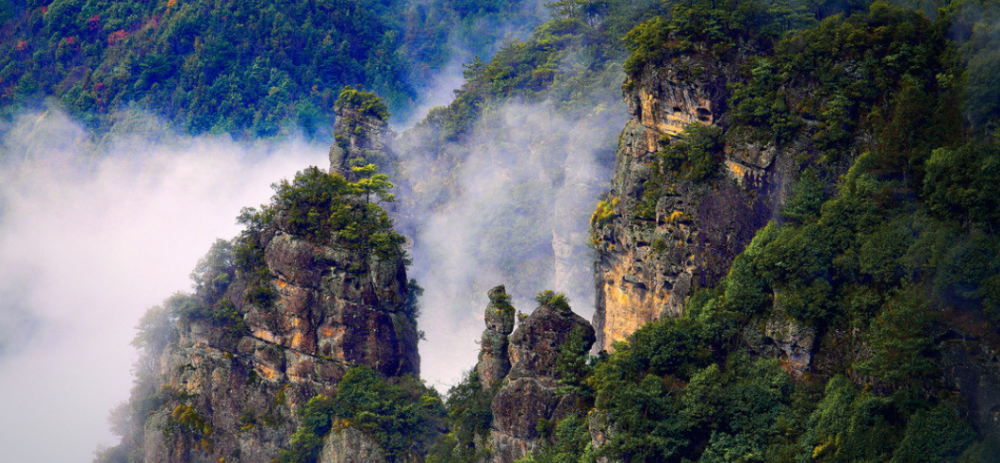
x,y
667,100
326,308
647,267
528,393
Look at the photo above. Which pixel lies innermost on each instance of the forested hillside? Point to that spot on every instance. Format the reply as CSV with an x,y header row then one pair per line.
x,y
250,69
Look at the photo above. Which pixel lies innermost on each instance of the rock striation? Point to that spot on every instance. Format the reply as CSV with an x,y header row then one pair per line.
x,y
648,266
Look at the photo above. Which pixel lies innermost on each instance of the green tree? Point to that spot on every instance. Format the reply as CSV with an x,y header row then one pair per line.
x,y
696,155
401,415
964,184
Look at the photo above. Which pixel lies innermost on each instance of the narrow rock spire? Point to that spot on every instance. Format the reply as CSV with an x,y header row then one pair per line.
x,y
494,361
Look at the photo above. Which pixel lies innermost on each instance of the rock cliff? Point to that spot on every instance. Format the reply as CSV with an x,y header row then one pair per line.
x,y
278,316
361,132
240,392
650,261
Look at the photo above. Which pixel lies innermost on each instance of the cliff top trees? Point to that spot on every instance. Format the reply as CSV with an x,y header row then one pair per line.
x,y
368,103
331,209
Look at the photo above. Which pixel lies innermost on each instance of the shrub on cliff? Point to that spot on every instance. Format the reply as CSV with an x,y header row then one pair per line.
x,y
963,184
696,155
367,103
469,419
329,209
401,416
705,26
553,300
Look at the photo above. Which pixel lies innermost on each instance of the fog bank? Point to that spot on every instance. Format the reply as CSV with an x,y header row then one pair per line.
x,y
510,205
89,239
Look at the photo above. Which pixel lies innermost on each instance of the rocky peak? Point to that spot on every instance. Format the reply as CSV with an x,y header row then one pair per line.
x,y
530,391
494,360
535,345
361,131
279,316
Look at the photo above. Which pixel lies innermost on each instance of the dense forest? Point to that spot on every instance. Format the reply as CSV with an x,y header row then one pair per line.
x,y
250,69
883,252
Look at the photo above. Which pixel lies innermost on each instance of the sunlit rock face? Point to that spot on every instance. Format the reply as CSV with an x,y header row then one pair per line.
x,y
667,101
529,393
327,309
331,309
648,266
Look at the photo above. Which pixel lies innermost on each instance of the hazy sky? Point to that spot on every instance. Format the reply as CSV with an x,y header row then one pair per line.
x,y
86,246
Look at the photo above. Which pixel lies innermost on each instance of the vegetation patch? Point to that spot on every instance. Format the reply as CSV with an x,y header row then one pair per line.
x,y
400,416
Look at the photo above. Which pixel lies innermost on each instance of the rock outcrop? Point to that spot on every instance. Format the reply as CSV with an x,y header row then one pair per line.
x,y
785,338
325,316
529,393
494,360
648,266
361,132
278,317
350,446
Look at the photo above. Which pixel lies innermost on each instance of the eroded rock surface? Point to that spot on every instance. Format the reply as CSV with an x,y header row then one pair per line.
x,y
494,360
647,266
529,392
361,132
278,318
350,446
785,338
325,317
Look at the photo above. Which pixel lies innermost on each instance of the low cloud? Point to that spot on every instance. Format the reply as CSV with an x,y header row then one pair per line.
x,y
90,237
510,205
94,233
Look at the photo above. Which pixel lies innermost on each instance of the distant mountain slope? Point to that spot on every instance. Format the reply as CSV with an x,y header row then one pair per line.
x,y
248,68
